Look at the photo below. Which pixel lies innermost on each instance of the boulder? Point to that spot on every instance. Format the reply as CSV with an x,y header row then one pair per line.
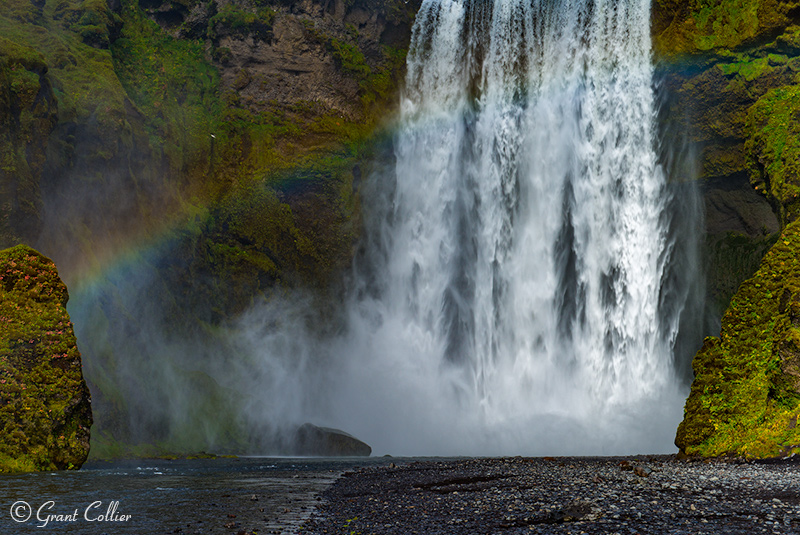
x,y
326,442
45,411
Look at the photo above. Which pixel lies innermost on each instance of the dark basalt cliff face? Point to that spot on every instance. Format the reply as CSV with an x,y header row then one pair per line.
x,y
731,70
44,401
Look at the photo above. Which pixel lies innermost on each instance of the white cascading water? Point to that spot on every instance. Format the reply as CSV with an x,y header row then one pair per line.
x,y
515,296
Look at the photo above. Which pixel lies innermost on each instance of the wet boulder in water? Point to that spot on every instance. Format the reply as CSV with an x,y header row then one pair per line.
x,y
326,442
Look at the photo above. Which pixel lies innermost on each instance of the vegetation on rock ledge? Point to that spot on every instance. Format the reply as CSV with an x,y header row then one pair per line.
x,y
692,26
745,399
44,400
773,150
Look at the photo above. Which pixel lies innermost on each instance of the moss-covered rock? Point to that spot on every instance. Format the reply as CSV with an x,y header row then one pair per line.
x,y
732,71
745,398
700,26
773,149
44,401
28,115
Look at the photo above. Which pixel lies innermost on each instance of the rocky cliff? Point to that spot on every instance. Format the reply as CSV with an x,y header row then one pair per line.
x,y
179,160
28,115
44,401
731,69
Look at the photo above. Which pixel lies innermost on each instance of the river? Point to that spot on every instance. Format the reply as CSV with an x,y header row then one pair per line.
x,y
201,496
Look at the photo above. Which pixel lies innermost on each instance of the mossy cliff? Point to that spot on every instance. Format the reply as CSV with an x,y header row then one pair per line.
x,y
44,401
27,117
698,26
745,398
181,161
732,68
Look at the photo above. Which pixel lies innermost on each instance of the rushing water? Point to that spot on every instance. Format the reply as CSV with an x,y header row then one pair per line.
x,y
523,283
520,289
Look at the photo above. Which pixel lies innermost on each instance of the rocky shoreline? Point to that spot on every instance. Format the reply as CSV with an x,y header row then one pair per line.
x,y
625,495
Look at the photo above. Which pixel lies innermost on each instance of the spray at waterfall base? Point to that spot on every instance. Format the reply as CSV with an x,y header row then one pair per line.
x,y
523,275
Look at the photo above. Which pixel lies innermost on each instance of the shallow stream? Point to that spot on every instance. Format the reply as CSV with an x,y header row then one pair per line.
x,y
203,496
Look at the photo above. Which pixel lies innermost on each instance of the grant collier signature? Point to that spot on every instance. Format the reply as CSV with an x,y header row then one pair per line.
x,y
22,512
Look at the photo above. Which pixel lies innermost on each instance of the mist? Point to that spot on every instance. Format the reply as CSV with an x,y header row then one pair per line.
x,y
526,280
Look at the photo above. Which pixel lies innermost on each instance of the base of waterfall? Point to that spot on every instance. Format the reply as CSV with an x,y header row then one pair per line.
x,y
593,495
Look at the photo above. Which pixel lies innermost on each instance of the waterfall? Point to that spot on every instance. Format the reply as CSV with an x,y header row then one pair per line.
x,y
519,289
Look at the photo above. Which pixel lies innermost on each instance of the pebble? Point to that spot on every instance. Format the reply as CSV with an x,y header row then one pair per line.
x,y
563,495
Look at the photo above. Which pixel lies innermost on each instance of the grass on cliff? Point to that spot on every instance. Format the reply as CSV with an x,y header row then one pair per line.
x,y
83,75
697,26
773,149
745,399
174,87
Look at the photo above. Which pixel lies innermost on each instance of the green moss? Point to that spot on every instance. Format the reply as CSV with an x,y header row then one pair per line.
x,y
747,68
27,117
173,85
18,53
237,21
773,149
44,400
351,58
376,83
745,398
693,26
301,239
83,76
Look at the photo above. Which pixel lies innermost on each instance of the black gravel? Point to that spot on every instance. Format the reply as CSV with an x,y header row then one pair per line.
x,y
645,495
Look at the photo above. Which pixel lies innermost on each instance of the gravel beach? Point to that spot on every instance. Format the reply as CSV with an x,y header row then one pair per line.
x,y
625,495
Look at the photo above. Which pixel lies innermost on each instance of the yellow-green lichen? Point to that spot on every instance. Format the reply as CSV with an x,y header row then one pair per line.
x,y
697,26
745,398
44,401
773,149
